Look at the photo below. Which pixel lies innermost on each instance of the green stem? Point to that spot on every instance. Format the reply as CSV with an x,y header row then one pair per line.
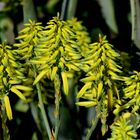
x,y
71,9
57,84
28,10
94,124
41,105
42,108
68,9
135,17
35,114
64,10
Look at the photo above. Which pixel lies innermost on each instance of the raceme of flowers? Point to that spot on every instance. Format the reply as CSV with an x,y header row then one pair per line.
x,y
59,51
52,49
122,129
11,77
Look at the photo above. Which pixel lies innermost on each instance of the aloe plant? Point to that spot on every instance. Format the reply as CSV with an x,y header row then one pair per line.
x,y
58,71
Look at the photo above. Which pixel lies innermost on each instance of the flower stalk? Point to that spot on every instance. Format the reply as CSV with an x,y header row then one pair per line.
x,y
57,84
42,108
91,130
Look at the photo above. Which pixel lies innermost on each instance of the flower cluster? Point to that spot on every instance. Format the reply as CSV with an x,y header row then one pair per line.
x,y
11,77
122,129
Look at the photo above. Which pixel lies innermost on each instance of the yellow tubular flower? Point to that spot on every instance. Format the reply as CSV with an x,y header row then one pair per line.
x,y
8,107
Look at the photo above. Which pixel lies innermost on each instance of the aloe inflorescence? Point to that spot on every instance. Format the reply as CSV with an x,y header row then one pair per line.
x,y
104,90
129,102
53,49
11,77
54,53
131,96
45,58
101,73
123,129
